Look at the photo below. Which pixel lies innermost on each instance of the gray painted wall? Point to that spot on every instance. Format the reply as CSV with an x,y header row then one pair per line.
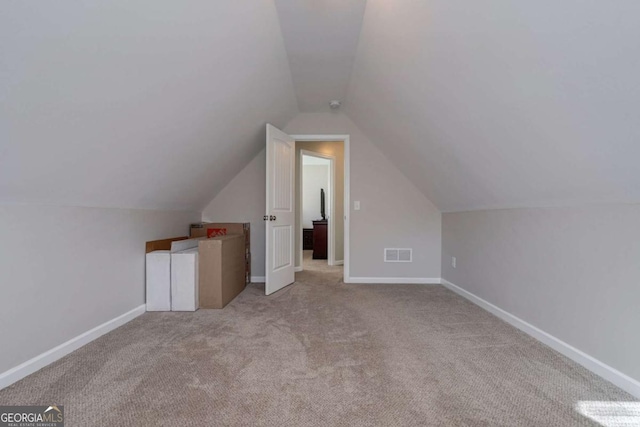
x,y
573,272
66,270
244,200
394,212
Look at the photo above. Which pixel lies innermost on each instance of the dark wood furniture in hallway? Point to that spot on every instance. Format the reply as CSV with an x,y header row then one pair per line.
x,y
320,239
307,239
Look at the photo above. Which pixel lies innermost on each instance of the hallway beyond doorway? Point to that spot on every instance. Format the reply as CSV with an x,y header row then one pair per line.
x,y
319,265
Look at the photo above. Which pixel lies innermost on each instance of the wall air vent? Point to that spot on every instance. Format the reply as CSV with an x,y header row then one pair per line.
x,y
398,255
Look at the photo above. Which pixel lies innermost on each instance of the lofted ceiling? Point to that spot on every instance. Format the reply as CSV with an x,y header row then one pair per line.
x,y
498,104
321,37
142,103
159,104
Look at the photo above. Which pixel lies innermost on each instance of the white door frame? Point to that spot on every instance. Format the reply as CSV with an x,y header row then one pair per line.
x,y
347,187
331,255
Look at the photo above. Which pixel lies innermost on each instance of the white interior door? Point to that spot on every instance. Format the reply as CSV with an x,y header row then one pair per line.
x,y
280,215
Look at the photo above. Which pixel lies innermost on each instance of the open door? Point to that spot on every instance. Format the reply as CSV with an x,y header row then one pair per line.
x,y
280,215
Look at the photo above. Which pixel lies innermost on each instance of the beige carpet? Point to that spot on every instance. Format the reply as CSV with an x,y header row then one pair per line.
x,y
319,265
319,353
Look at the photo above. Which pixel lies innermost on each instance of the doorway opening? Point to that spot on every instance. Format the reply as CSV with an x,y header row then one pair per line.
x,y
317,179
283,214
321,183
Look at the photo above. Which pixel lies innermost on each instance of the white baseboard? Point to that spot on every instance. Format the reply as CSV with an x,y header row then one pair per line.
x,y
258,279
297,269
610,374
394,280
30,366
338,262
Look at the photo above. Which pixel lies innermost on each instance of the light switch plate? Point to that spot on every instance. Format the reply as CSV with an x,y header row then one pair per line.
x,y
356,205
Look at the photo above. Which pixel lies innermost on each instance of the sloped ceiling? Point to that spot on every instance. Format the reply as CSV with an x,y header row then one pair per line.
x,y
158,104
321,38
141,103
497,104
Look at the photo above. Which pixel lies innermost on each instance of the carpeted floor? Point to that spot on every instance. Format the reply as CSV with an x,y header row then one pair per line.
x,y
318,265
319,353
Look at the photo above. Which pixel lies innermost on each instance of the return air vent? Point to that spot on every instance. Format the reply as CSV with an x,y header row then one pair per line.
x,y
398,255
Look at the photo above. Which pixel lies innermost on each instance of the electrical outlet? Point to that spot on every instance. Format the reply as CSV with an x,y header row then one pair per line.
x,y
454,261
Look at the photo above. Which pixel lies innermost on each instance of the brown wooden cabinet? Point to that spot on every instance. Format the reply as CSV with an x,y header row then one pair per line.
x,y
307,239
320,239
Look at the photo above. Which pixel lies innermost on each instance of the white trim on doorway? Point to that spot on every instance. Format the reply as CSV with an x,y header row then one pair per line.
x,y
331,243
347,187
